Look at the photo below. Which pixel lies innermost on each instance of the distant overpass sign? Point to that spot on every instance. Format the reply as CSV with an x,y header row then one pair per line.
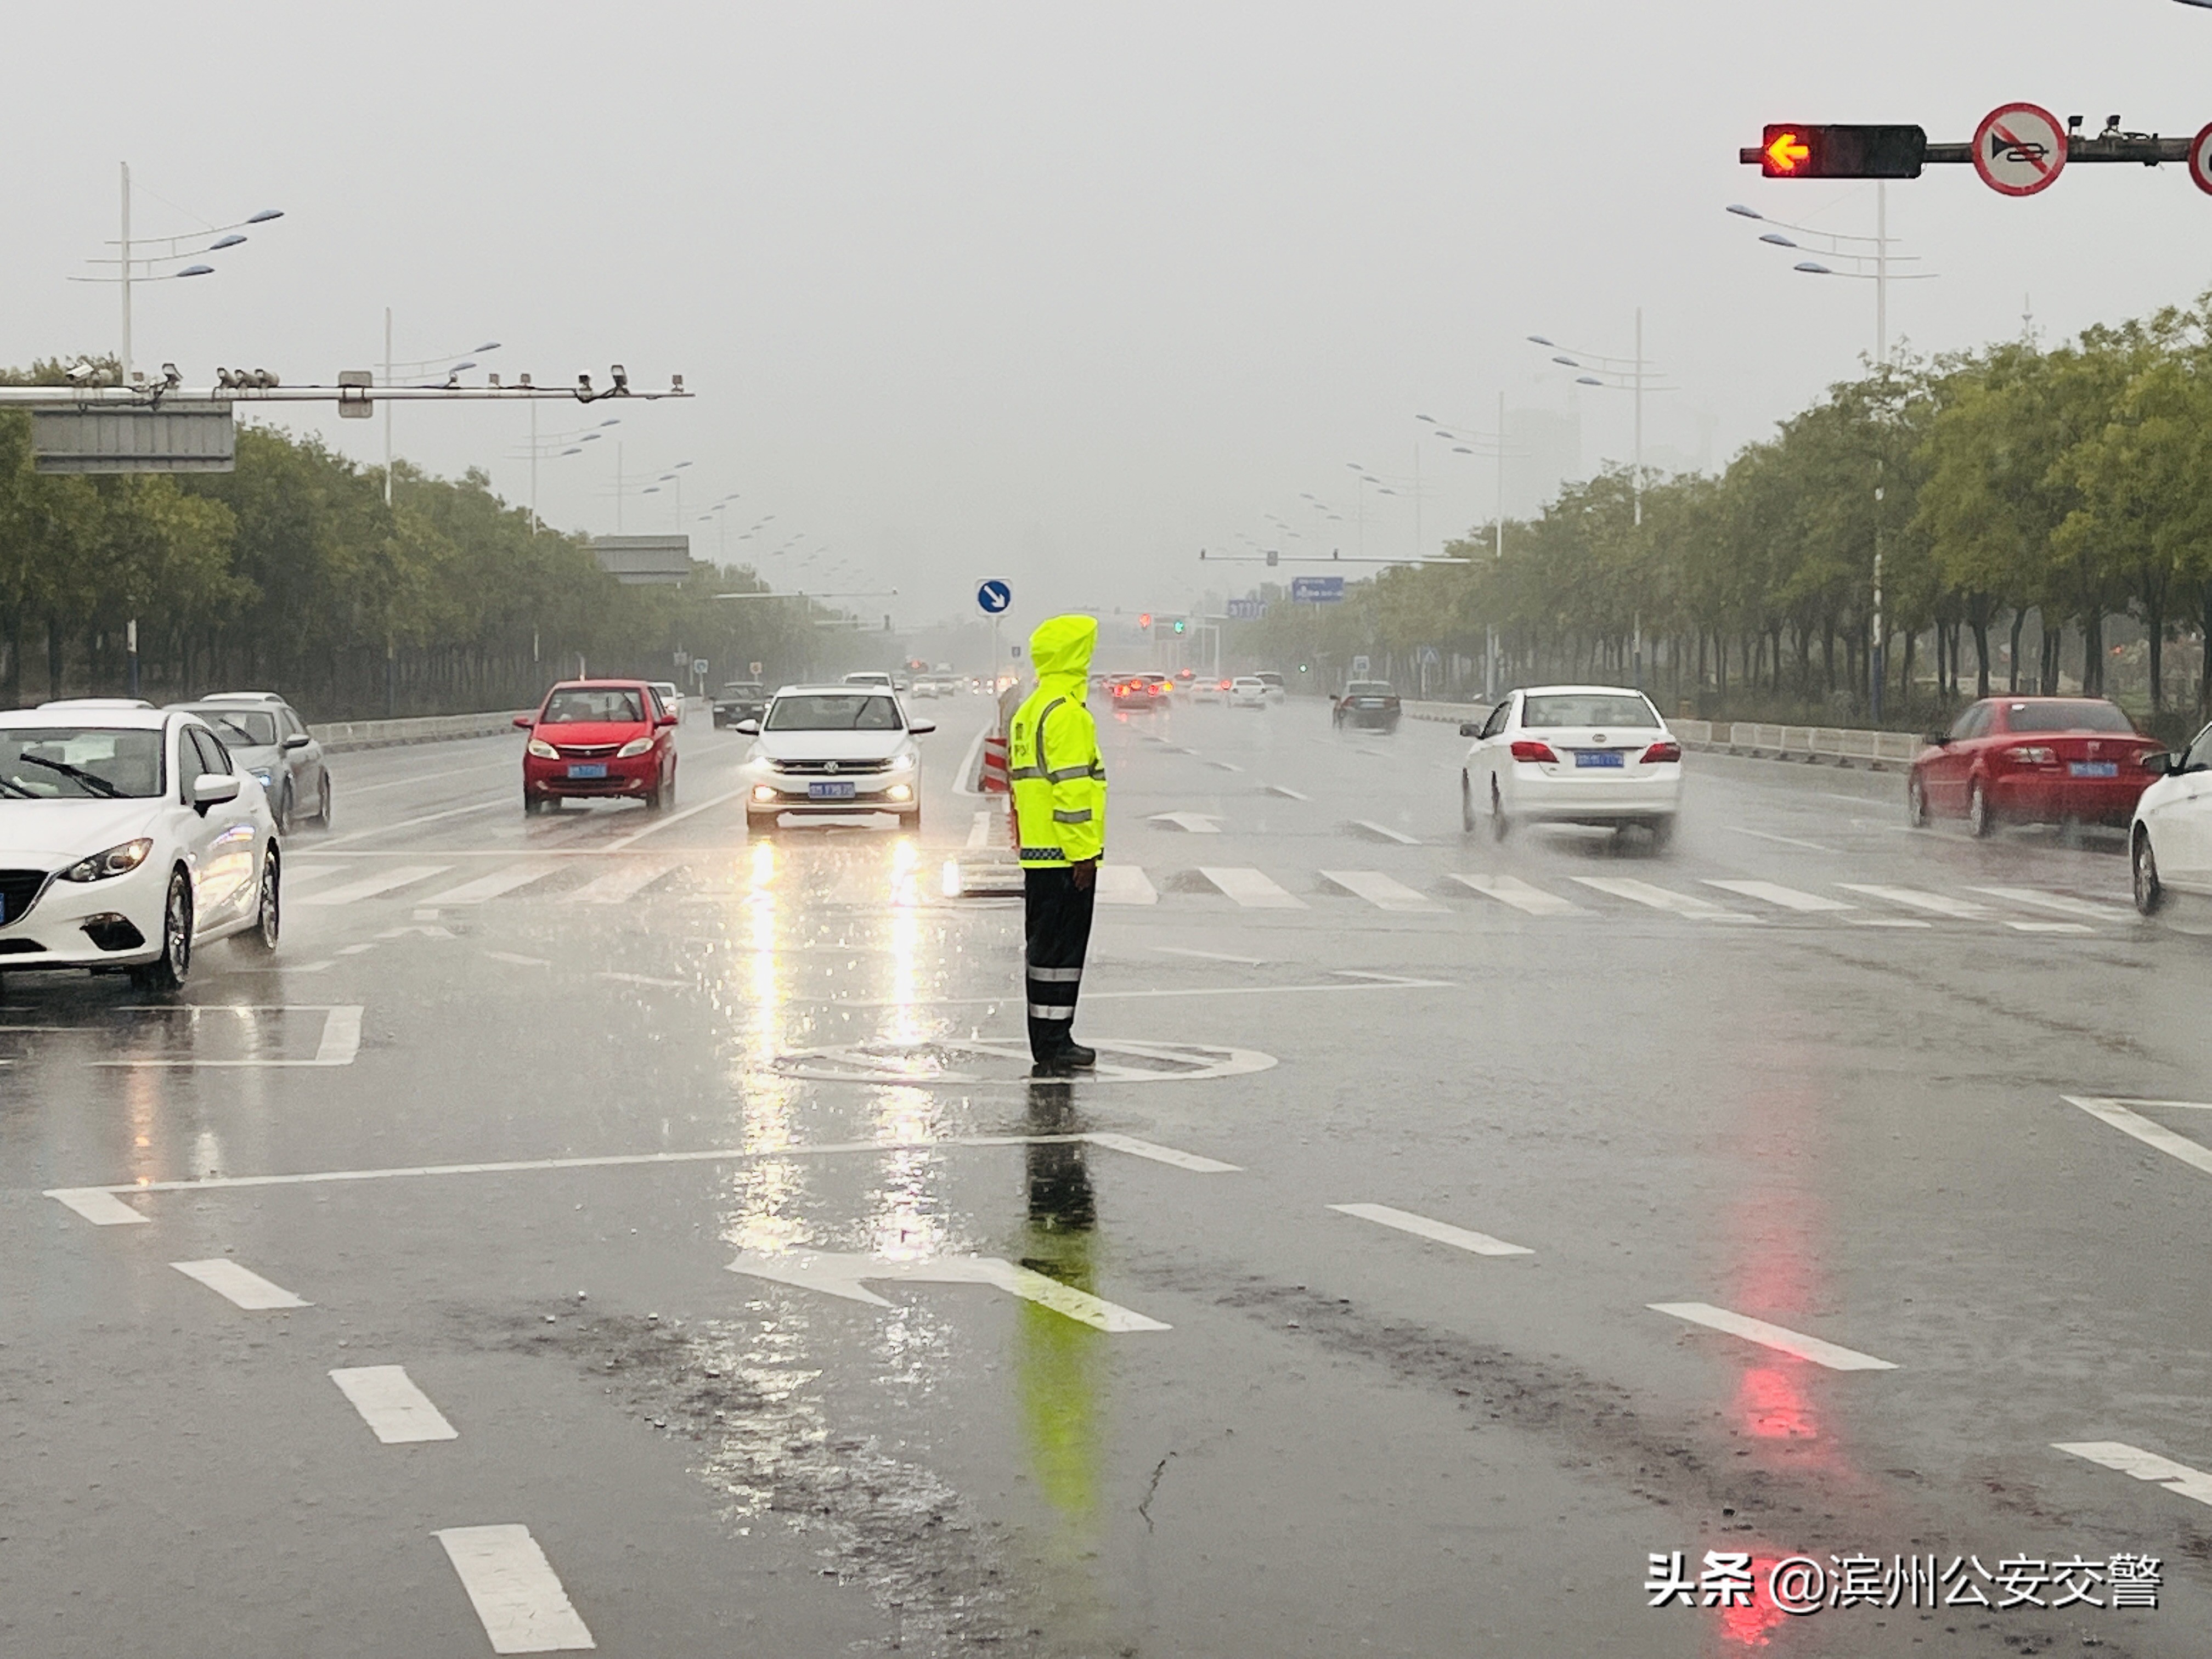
x,y
176,437
644,561
1317,590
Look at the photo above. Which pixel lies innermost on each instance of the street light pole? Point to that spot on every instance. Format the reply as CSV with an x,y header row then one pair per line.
x,y
387,407
126,268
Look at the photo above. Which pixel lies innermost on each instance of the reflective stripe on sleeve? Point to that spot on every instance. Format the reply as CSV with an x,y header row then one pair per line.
x,y
1061,815
1057,975
1067,772
1023,772
1039,1011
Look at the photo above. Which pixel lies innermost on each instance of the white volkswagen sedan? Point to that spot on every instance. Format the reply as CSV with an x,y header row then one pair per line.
x,y
127,838
2170,841
833,750
1572,754
1247,691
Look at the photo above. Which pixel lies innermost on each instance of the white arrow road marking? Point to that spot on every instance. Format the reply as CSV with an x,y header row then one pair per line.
x,y
1442,1231
514,1590
837,1274
1511,889
2197,1155
1224,766
1772,1336
1774,893
1386,832
1196,823
427,929
248,1289
397,1412
1125,884
2142,1465
1250,889
1379,890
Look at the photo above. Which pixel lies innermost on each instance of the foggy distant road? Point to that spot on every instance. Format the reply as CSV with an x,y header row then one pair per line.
x,y
1512,1212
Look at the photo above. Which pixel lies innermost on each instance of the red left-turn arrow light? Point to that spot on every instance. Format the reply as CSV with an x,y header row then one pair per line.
x,y
1786,153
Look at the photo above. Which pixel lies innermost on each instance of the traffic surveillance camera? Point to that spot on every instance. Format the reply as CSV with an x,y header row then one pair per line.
x,y
491,380
2074,123
676,383
619,375
522,380
79,373
583,383
170,375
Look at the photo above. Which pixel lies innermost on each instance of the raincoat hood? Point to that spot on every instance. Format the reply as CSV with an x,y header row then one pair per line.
x,y
1061,648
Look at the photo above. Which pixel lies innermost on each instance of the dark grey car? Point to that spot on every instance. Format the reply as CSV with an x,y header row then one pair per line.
x,y
266,736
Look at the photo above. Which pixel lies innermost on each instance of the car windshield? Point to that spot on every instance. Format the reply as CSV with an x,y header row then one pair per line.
x,y
593,705
1269,680
77,762
741,689
240,728
834,711
1368,688
1598,708
2084,714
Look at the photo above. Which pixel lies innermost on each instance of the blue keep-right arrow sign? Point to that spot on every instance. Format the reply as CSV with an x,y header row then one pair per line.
x,y
994,597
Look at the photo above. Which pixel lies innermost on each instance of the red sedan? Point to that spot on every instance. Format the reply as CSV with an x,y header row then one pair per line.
x,y
603,738
2046,760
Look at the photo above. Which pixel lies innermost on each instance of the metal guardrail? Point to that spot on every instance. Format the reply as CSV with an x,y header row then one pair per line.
x,y
1844,745
339,736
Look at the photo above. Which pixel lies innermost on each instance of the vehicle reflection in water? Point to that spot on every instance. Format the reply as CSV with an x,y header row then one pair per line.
x,y
767,1193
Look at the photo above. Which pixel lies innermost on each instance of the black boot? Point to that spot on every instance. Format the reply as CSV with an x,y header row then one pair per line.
x,y
1075,1053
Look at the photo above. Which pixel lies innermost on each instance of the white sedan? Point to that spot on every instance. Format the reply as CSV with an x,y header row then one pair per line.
x,y
128,838
1247,691
1572,754
2170,841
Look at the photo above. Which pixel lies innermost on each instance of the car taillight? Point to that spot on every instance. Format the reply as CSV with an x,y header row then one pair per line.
x,y
1662,751
2033,754
1528,750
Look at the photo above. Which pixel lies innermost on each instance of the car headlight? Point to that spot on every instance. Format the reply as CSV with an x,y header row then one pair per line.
x,y
115,861
544,749
634,747
261,778
901,762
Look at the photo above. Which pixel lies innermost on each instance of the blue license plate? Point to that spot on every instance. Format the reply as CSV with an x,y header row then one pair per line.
x,y
829,791
2094,768
1597,758
588,770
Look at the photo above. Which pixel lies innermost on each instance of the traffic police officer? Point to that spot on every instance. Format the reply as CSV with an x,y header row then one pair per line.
x,y
1059,783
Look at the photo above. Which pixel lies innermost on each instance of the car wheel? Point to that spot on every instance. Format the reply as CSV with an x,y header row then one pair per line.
x,y
1465,804
2150,892
268,917
1981,816
1500,825
168,971
1662,833
282,812
323,802
1916,802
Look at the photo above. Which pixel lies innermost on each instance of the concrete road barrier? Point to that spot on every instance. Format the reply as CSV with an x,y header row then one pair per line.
x,y
1879,752
339,736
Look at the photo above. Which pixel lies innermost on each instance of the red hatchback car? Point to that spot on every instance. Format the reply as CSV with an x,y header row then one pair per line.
x,y
2042,760
605,738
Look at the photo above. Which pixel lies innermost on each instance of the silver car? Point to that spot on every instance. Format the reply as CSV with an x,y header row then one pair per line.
x,y
266,736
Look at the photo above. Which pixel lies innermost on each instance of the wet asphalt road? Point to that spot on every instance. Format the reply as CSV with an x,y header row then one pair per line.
x,y
1833,1099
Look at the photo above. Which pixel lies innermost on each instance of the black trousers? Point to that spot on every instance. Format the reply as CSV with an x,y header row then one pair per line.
x,y
1057,915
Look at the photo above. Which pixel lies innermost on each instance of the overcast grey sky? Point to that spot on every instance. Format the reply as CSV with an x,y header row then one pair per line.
x,y
1056,292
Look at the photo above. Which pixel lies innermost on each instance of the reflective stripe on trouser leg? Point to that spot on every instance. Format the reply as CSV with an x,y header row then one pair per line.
x,y
1057,916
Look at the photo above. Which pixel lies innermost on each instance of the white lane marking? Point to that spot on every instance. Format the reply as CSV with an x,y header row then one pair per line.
x,y
2051,928
1125,884
1386,832
1511,889
500,763
1773,1336
1661,899
1287,794
834,1273
1160,1154
1784,840
2064,904
409,824
1196,823
670,820
248,1289
1379,890
1210,955
624,1160
2194,1153
1774,893
1442,1231
299,873
519,961
341,1039
355,950
979,831
514,1590
1887,921
645,979
2178,1478
101,1208
1224,766
339,1043
382,882
1250,889
397,1412
628,878
480,888
1373,978
1914,898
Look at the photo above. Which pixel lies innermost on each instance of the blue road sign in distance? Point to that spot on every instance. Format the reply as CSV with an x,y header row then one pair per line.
x,y
994,597
1317,590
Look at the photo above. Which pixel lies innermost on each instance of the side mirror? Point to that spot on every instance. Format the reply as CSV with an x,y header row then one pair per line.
x,y
2161,763
919,727
1938,739
213,788
523,722
666,720
1469,729
749,725
298,740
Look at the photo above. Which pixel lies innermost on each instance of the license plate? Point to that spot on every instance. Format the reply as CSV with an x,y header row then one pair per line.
x,y
1597,758
588,770
829,791
2094,768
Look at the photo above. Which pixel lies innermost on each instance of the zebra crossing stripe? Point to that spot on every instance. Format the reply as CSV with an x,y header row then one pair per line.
x,y
1511,889
1789,898
505,879
1125,884
1250,889
383,881
1661,899
1379,890
629,878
